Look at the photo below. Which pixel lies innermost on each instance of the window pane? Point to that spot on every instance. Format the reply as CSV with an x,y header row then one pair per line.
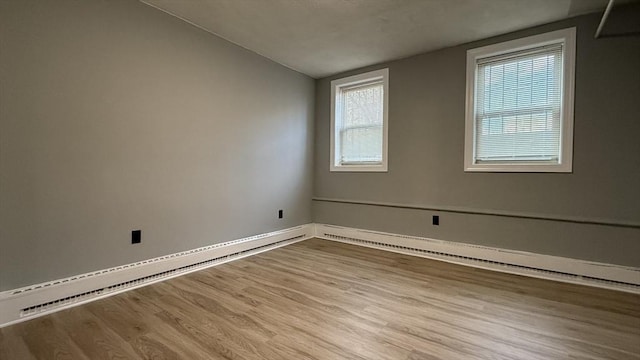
x,y
361,128
362,144
518,107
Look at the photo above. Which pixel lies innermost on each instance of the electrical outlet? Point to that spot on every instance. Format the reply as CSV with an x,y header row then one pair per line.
x,y
136,236
435,220
280,214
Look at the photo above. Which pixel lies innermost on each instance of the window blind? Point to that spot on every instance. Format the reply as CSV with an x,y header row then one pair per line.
x,y
361,129
518,106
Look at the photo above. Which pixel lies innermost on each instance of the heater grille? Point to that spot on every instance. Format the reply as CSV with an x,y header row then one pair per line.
x,y
88,295
122,267
496,264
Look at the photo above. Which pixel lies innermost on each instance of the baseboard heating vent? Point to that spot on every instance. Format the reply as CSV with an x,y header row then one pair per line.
x,y
140,263
485,263
119,287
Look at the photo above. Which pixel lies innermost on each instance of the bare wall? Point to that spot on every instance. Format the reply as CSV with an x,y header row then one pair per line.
x,y
115,116
426,151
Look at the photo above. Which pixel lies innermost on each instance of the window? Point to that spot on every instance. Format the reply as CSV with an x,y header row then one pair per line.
x,y
520,105
359,122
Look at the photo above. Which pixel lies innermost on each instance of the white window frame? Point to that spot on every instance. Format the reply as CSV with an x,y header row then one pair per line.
x,y
336,85
567,37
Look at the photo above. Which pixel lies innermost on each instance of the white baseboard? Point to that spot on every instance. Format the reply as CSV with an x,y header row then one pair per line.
x,y
32,301
549,267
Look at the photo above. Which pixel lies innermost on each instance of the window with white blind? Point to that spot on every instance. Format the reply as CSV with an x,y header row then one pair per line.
x,y
520,105
359,122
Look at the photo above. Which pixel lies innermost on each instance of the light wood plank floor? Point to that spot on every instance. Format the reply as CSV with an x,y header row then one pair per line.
x,y
325,300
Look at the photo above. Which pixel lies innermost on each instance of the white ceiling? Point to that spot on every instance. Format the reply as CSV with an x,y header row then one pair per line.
x,y
324,37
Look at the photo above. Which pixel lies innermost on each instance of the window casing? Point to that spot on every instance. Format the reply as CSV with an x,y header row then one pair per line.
x,y
359,108
519,115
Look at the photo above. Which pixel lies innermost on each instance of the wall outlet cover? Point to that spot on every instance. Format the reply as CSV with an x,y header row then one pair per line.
x,y
136,236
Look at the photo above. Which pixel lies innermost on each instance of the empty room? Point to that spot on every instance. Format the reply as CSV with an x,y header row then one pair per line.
x,y
320,179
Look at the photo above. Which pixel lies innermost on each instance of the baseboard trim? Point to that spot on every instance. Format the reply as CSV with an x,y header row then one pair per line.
x,y
548,267
32,301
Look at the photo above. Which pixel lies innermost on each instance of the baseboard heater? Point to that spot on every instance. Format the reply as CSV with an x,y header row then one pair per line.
x,y
568,270
32,301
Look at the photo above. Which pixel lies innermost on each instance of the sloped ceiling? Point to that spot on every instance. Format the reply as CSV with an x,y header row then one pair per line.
x,y
324,37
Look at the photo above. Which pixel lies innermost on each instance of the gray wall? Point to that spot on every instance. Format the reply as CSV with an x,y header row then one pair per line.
x,y
115,116
426,145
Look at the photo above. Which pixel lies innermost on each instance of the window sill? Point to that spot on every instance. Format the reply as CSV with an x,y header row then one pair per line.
x,y
358,168
521,168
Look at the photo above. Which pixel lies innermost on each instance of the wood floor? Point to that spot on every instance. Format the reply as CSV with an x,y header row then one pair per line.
x,y
325,300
